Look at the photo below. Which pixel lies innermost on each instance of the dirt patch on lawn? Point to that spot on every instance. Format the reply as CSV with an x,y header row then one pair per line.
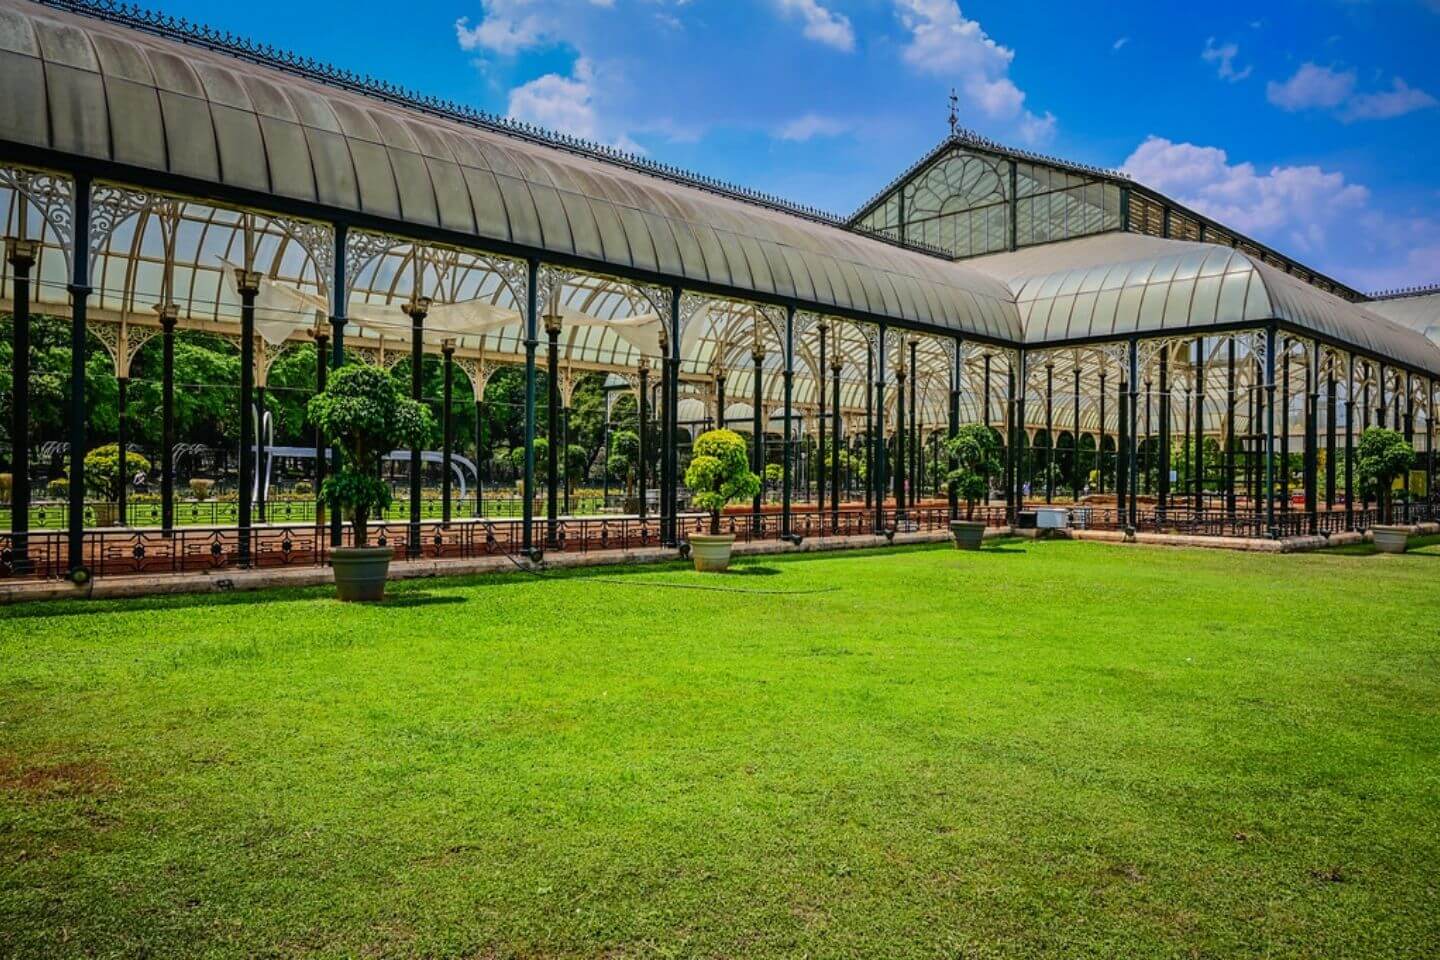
x,y
29,778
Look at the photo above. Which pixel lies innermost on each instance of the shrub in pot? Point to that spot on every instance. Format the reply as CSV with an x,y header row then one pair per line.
x,y
303,489
7,484
365,417
59,488
1382,457
976,452
200,488
104,478
719,474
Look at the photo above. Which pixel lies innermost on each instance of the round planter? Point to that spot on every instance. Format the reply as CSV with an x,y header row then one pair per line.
x,y
360,572
1390,539
968,534
711,553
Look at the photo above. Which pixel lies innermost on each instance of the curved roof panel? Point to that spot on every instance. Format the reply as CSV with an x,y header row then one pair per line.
x,y
1119,284
110,93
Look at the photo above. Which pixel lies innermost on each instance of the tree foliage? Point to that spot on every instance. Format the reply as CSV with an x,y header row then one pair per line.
x,y
102,470
977,460
363,414
719,473
1382,457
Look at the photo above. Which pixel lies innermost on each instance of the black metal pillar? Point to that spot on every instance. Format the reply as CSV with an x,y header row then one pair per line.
x,y
248,283
1269,471
417,311
1285,427
1331,402
447,413
787,450
835,367
21,255
1012,467
985,407
79,289
480,448
552,427
1100,441
1162,478
821,468
643,403
1132,469
122,446
1122,450
1230,502
1023,471
877,433
1049,432
339,296
1197,474
1075,441
670,523
956,371
757,427
1350,442
914,438
900,438
1408,430
1311,457
532,343
321,371
168,316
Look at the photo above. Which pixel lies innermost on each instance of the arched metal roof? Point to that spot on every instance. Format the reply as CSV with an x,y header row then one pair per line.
x,y
90,89
1117,284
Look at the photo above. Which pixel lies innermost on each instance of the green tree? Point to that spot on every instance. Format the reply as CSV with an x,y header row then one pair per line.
x,y
977,458
102,470
1382,457
719,473
362,413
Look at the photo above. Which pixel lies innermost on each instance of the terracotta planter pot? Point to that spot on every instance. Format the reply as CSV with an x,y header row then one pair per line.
x,y
711,553
1390,539
360,572
968,534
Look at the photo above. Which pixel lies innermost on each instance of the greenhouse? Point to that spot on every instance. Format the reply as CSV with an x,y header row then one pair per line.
x,y
181,207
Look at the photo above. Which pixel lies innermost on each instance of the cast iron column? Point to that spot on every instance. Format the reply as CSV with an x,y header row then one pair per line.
x,y
787,443
339,294
1311,459
672,423
552,428
869,427
900,438
1285,428
1132,469
532,343
757,445
122,443
985,409
1122,450
1230,428
720,401
79,289
1269,472
835,441
248,282
1049,432
417,310
643,414
1350,442
168,315
1012,469
824,331
21,255
1331,401
1022,438
447,352
914,425
1198,473
321,369
1162,472
955,376
480,450
1100,441
1075,444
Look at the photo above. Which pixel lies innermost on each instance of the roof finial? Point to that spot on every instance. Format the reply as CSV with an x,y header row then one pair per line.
x,y
954,112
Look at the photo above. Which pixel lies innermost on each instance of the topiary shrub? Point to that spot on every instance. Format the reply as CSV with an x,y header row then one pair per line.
x,y
59,488
774,474
200,488
7,485
303,489
1381,458
365,417
102,470
719,473
977,459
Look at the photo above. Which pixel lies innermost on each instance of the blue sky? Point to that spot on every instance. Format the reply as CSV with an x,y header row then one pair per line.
x,y
1313,125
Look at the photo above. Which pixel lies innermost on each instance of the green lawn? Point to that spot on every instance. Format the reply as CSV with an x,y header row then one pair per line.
x,y
1057,749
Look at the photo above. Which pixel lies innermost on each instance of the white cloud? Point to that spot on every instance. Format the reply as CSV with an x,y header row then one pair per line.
x,y
567,105
810,126
943,42
1294,202
1224,57
1313,87
821,24
509,26
1399,100
1118,44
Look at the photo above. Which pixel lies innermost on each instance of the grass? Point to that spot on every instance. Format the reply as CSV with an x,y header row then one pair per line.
x,y
1055,749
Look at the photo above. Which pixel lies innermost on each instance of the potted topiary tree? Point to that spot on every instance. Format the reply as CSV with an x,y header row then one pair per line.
x,y
102,475
363,414
976,453
1382,457
719,474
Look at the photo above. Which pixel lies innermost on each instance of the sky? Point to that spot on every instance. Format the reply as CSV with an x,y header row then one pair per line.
x,y
1313,125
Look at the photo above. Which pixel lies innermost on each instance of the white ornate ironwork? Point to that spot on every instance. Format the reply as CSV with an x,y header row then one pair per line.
x,y
52,196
